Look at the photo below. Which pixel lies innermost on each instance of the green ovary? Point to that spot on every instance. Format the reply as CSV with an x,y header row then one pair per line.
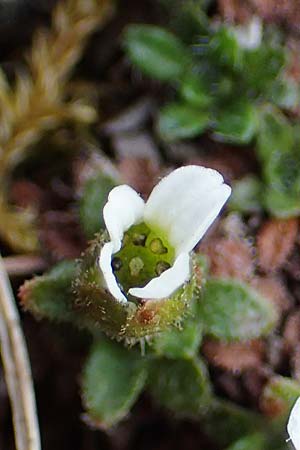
x,y
144,255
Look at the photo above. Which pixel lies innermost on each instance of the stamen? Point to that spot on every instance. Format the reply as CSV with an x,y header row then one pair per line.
x,y
135,266
161,266
157,247
139,239
116,263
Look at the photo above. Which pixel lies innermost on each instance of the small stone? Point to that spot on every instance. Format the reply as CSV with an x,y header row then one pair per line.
x,y
157,247
135,266
161,266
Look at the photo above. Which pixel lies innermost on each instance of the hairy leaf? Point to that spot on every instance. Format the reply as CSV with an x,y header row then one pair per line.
x,y
231,310
157,52
181,342
50,296
236,123
246,195
180,385
113,378
180,121
91,204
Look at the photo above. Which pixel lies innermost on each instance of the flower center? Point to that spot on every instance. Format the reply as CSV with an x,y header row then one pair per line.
x,y
144,255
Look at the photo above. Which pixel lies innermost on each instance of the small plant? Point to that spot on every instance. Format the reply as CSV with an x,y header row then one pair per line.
x,y
163,315
233,83
139,277
122,293
220,82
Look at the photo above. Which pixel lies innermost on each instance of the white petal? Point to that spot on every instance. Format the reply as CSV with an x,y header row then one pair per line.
x,y
185,203
250,36
167,283
294,425
123,209
109,277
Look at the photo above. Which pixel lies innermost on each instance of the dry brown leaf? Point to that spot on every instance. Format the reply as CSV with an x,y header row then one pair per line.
x,y
236,356
230,162
273,289
291,331
254,381
275,242
235,10
277,11
25,193
231,386
229,258
60,235
140,173
295,363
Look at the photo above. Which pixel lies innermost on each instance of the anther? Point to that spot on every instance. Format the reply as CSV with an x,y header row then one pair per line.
x,y
156,246
116,263
139,239
161,266
136,265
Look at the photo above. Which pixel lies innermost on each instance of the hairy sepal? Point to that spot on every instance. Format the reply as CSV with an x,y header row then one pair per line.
x,y
128,321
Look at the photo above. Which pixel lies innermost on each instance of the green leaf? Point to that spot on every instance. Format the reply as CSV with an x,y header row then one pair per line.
x,y
51,295
277,150
275,134
179,343
282,176
279,396
180,121
188,19
180,385
236,123
226,422
246,195
231,310
113,378
262,65
157,52
94,197
225,49
282,205
284,93
195,91
255,441
282,171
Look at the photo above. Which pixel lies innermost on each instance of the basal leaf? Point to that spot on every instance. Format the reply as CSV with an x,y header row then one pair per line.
x,y
236,122
113,378
50,296
157,52
181,342
231,310
180,121
91,203
180,385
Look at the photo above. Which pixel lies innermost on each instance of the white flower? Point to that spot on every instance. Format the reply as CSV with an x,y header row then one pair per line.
x,y
182,206
294,425
249,36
